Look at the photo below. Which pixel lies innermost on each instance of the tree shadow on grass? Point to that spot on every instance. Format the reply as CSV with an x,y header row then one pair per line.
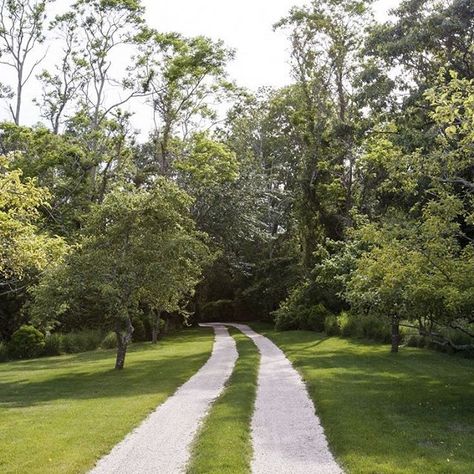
x,y
87,377
60,362
138,378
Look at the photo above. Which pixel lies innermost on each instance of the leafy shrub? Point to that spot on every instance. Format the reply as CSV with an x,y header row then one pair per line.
x,y
26,343
3,352
286,320
139,332
348,325
220,310
301,317
331,326
371,327
416,340
81,341
53,345
313,318
109,341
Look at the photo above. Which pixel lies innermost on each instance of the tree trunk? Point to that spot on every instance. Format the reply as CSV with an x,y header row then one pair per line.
x,y
123,339
395,334
156,327
121,351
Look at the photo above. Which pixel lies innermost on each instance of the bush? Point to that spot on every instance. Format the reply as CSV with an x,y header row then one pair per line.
x,y
139,332
301,317
313,318
286,320
81,341
220,310
26,343
109,341
414,340
374,328
331,326
348,325
53,345
3,352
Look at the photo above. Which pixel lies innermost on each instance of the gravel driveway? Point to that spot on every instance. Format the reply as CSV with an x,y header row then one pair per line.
x,y
161,444
287,436
286,433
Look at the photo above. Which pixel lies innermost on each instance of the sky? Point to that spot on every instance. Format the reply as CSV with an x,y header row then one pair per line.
x,y
245,25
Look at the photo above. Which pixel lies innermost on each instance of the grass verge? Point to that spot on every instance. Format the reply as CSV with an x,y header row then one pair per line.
x,y
224,442
409,413
60,414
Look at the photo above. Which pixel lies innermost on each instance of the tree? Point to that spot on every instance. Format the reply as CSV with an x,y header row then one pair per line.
x,y
326,39
417,272
138,248
182,76
24,247
56,162
420,265
21,31
61,88
93,31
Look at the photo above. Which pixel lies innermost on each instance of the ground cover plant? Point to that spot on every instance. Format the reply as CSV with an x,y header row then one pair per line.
x,y
60,414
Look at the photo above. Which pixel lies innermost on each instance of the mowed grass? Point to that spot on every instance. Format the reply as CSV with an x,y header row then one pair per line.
x,y
383,413
223,445
60,414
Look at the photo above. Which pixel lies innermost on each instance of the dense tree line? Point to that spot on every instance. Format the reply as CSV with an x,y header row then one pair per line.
x,y
350,190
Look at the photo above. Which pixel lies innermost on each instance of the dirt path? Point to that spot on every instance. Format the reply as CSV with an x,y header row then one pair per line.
x,y
287,435
161,444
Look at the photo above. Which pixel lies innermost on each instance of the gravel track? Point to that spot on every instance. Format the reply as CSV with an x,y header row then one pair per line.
x,y
161,444
287,435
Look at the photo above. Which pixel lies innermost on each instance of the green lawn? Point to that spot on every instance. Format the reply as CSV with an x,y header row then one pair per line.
x,y
223,444
383,413
60,414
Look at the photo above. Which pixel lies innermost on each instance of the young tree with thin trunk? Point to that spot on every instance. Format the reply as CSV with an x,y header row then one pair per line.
x,y
138,248
62,86
22,25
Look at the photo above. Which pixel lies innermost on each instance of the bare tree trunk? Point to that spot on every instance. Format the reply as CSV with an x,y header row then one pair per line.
x,y
121,351
156,327
123,339
395,334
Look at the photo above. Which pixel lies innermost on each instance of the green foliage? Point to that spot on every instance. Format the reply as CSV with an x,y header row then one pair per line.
x,y
53,344
331,326
24,246
299,316
26,343
139,331
348,325
208,163
137,248
3,352
109,341
81,341
220,310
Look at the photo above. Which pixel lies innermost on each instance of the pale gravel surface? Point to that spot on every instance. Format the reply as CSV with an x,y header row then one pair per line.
x,y
161,444
286,433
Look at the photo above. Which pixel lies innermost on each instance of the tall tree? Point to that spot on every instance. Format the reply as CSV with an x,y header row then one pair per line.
x,y
326,38
183,77
62,86
22,24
